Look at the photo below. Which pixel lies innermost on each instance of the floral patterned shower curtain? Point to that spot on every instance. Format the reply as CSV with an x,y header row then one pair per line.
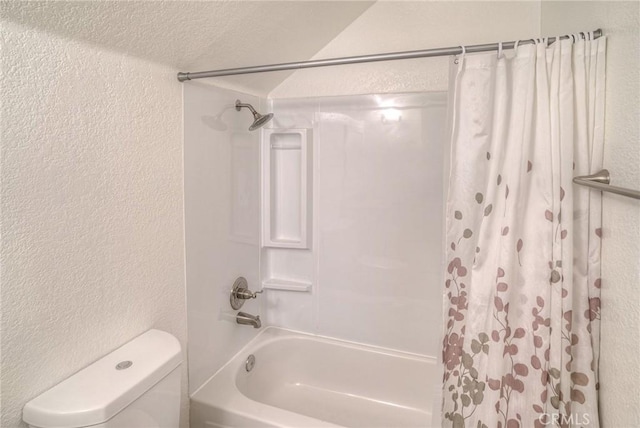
x,y
522,291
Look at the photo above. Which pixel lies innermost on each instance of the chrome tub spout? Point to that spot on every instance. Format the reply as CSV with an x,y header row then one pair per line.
x,y
248,319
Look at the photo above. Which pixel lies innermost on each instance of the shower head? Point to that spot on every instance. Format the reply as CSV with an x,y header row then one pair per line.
x,y
258,119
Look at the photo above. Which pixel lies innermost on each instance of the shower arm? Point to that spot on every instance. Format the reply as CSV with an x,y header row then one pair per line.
x,y
239,106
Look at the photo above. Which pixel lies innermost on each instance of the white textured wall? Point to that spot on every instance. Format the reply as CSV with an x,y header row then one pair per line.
x,y
620,347
390,26
198,35
92,225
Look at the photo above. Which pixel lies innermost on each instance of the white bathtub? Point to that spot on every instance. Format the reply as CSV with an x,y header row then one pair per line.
x,y
301,380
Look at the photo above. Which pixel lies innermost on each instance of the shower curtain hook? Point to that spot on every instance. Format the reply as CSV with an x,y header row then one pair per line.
x,y
499,50
464,51
515,47
591,36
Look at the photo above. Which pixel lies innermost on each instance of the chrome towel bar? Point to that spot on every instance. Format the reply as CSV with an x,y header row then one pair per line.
x,y
600,180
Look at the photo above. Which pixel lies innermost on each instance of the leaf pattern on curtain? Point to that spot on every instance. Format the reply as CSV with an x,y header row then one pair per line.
x,y
522,288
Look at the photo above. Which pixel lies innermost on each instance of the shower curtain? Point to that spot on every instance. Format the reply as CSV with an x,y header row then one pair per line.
x,y
522,279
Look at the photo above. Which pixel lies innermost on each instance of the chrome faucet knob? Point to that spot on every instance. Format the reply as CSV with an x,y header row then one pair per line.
x,y
240,292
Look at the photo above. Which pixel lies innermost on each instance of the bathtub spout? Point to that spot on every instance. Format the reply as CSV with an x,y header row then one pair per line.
x,y
248,319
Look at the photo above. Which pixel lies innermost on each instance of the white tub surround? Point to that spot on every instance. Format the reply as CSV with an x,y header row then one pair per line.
x,y
302,380
372,270
222,223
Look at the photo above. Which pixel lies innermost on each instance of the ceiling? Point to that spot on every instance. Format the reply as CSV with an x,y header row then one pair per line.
x,y
198,35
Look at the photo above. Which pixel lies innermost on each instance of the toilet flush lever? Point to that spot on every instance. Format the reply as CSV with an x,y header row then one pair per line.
x,y
240,292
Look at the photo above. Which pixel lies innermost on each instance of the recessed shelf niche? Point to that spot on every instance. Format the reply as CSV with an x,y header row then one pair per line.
x,y
286,168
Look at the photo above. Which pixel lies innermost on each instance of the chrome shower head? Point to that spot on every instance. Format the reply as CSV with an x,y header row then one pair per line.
x,y
258,119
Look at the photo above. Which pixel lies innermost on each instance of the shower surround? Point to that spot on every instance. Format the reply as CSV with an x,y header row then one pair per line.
x,y
375,259
368,273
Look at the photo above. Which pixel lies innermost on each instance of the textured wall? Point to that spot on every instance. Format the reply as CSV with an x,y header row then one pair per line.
x,y
620,347
199,35
390,26
92,225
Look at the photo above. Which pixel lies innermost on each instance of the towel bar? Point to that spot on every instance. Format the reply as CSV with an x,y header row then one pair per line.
x,y
600,180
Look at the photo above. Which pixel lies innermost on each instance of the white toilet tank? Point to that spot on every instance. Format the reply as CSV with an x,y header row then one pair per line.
x,y
135,386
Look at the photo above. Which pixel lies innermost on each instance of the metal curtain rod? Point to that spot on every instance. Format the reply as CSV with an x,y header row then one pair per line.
x,y
600,180
425,53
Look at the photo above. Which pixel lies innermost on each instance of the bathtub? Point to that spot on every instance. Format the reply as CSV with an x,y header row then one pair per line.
x,y
301,380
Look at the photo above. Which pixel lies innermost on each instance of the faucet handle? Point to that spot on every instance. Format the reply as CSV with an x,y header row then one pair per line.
x,y
240,292
247,294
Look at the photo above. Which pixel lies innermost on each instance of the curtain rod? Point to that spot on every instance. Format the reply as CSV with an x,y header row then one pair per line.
x,y
425,53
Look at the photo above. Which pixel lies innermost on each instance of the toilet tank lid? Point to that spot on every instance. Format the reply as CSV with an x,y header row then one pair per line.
x,y
100,391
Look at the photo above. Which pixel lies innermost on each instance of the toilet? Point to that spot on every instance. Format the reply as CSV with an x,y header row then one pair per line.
x,y
135,386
